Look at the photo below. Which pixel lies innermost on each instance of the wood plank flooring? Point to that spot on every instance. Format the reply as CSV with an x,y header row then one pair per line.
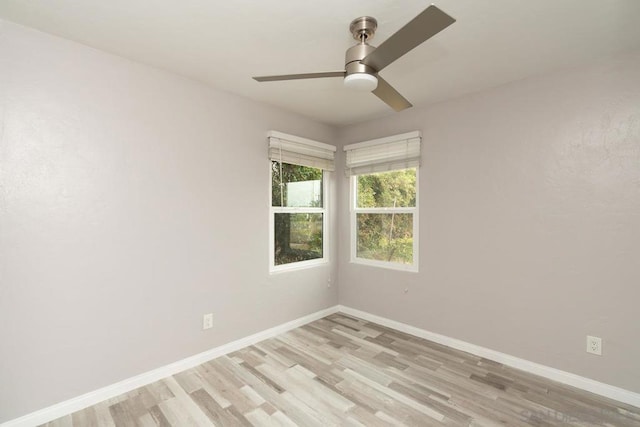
x,y
345,371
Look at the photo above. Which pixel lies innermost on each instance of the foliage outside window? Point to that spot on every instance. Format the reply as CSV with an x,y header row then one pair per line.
x,y
298,215
384,220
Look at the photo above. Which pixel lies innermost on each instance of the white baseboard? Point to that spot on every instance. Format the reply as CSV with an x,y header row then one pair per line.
x,y
563,377
78,403
84,401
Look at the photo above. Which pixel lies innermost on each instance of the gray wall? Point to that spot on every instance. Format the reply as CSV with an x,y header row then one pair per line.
x,y
132,201
529,221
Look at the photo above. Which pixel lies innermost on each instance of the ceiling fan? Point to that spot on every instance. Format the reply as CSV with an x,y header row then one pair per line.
x,y
363,62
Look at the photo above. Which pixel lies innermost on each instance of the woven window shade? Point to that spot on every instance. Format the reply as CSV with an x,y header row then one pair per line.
x,y
300,151
385,154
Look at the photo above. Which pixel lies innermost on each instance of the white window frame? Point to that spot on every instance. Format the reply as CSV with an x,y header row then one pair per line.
x,y
324,210
355,210
396,152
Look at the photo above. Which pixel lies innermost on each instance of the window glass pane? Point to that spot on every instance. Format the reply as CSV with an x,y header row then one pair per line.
x,y
387,189
385,237
300,186
298,237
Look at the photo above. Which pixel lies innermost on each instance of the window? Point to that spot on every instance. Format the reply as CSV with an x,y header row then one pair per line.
x,y
384,216
384,201
298,213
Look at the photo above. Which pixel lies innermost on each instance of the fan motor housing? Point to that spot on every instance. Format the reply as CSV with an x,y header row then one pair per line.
x,y
354,55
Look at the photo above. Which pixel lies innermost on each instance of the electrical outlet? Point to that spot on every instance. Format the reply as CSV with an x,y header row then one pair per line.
x,y
594,345
207,321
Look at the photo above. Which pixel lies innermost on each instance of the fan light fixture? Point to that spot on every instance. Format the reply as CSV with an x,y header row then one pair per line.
x,y
361,81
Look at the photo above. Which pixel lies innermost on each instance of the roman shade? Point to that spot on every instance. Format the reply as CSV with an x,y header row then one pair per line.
x,y
301,151
384,154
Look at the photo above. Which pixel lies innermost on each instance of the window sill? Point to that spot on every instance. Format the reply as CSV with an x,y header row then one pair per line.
x,y
386,265
302,265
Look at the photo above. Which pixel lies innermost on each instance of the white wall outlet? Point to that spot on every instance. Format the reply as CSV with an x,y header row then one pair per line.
x,y
594,345
207,321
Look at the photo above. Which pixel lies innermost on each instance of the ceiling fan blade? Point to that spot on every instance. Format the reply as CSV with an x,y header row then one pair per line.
x,y
424,26
299,76
390,96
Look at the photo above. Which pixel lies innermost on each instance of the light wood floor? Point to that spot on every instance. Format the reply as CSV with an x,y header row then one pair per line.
x,y
344,371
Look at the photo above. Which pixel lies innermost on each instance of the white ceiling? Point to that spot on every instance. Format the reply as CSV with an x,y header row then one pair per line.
x,y
224,43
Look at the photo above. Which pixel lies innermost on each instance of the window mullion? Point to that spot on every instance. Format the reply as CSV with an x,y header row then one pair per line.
x,y
385,210
289,209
